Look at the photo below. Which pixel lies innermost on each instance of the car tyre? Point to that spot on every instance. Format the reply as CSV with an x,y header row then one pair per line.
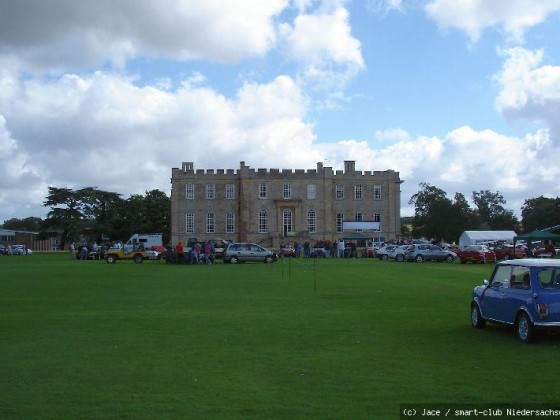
x,y
384,257
449,259
399,257
268,259
137,259
233,260
525,328
476,317
111,259
419,259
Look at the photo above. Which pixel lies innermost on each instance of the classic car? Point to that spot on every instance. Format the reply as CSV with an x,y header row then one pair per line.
x,y
477,254
507,252
524,293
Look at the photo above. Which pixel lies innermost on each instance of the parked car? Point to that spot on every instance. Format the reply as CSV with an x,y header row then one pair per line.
x,y
287,251
524,293
318,253
545,252
247,252
137,254
19,250
383,252
427,252
397,253
477,254
507,252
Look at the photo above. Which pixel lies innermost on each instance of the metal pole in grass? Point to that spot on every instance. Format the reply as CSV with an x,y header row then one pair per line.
x,y
315,275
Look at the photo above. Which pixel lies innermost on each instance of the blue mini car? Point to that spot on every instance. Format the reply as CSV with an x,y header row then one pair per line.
x,y
524,293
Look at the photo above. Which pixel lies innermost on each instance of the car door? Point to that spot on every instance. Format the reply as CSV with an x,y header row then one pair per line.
x,y
518,295
437,253
492,301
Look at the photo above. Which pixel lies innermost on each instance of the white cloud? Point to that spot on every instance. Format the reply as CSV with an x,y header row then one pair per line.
x,y
529,89
513,17
322,42
65,34
383,7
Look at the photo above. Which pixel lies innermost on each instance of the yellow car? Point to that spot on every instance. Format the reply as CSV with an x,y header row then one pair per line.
x,y
136,254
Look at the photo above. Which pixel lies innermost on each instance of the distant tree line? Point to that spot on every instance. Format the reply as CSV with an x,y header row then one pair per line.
x,y
439,217
96,215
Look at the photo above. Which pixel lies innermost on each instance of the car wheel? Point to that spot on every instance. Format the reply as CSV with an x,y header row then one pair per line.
x,y
111,259
384,257
233,260
137,259
419,259
525,328
476,317
399,257
268,259
449,258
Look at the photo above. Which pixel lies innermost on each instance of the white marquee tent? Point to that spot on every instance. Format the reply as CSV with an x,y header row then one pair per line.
x,y
473,237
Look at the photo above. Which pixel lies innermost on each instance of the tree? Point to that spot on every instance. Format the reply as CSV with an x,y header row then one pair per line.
x,y
437,217
491,211
32,224
65,212
431,211
148,214
540,212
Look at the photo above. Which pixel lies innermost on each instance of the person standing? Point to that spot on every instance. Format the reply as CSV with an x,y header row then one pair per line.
x,y
179,251
341,248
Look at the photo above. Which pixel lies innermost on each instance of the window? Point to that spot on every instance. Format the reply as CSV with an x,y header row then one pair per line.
x,y
311,191
377,192
377,217
339,222
549,278
230,191
210,191
340,192
263,221
358,192
230,222
189,192
287,221
287,191
210,223
311,221
189,223
263,193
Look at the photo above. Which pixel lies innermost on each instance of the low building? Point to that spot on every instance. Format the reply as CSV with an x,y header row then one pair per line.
x,y
273,206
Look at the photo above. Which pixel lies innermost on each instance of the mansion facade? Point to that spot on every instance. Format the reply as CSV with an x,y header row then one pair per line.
x,y
271,207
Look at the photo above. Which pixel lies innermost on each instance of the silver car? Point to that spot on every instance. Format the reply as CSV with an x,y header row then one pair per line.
x,y
247,252
426,252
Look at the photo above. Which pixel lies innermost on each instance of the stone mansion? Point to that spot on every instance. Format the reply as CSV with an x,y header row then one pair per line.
x,y
270,207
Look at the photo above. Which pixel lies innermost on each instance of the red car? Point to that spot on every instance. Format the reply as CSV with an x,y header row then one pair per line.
x,y
477,254
507,252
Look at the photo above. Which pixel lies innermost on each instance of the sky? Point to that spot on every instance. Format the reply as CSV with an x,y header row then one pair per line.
x,y
461,94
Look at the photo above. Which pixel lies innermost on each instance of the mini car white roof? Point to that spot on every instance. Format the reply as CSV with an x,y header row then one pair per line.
x,y
533,262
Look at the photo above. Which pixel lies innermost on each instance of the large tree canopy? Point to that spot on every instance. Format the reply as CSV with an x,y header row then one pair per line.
x,y
94,214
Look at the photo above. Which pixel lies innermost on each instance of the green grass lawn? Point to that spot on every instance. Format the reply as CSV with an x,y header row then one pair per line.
x,y
297,338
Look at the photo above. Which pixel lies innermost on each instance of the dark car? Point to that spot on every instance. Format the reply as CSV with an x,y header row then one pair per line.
x,y
524,293
427,252
247,252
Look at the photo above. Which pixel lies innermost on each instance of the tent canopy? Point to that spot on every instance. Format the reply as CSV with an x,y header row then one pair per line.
x,y
472,237
538,235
